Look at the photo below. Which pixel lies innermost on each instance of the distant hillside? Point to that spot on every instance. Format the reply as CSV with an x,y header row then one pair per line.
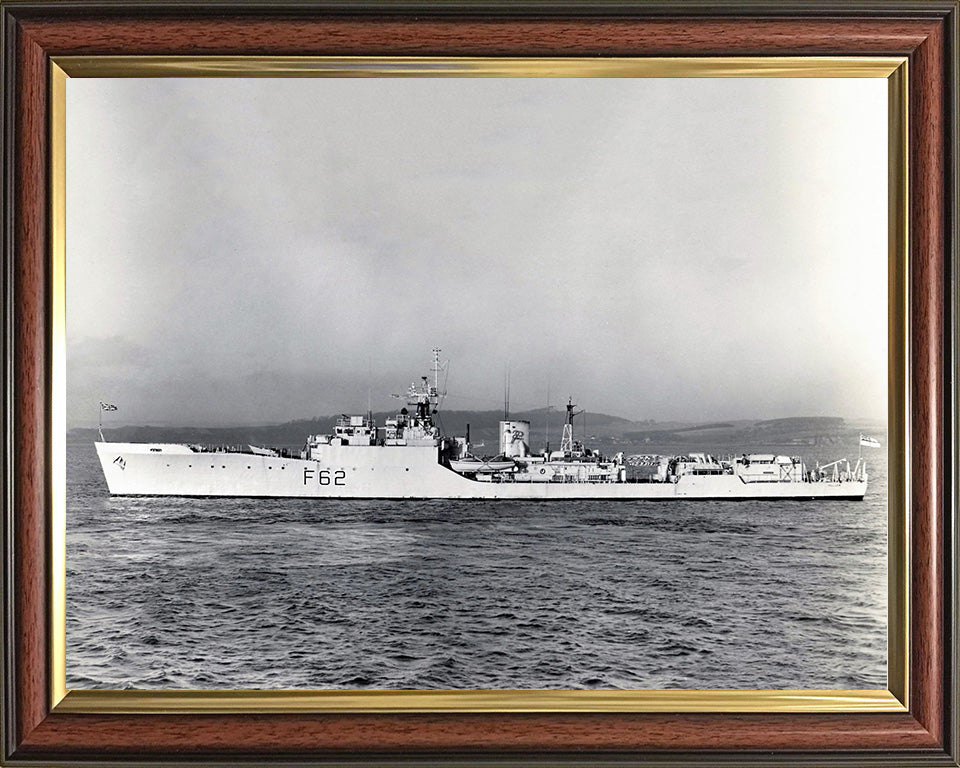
x,y
801,424
798,430
484,427
603,430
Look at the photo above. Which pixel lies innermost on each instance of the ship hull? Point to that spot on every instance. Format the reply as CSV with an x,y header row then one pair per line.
x,y
395,472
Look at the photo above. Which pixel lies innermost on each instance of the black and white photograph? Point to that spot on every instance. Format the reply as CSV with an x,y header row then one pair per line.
x,y
443,383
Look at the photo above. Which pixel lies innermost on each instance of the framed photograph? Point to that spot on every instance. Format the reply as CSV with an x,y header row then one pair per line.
x,y
674,481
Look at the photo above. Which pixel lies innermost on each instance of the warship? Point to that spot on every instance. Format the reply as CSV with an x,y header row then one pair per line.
x,y
409,457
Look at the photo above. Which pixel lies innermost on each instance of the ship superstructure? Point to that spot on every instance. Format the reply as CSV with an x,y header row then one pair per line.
x,y
409,457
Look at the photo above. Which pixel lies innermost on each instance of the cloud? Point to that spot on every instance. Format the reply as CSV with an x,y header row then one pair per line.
x,y
667,249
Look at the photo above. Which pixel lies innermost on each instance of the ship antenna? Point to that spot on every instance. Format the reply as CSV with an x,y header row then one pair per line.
x,y
446,376
369,381
547,417
436,368
506,394
436,378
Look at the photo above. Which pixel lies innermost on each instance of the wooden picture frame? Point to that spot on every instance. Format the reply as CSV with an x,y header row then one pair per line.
x,y
40,728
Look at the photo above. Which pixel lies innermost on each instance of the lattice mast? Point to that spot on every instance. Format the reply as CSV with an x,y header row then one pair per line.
x,y
566,441
436,368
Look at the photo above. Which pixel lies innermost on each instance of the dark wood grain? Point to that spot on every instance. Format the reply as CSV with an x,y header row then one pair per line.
x,y
546,37
29,370
350,733
927,310
920,734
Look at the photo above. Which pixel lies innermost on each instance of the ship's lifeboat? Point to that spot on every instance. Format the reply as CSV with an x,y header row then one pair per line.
x,y
473,465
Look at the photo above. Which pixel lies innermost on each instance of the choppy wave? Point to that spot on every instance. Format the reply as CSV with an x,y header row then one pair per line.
x,y
215,593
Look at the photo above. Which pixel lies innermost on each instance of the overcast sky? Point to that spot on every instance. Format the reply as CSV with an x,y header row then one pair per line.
x,y
252,250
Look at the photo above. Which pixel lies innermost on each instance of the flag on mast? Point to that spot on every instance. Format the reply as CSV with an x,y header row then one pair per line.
x,y
870,442
107,407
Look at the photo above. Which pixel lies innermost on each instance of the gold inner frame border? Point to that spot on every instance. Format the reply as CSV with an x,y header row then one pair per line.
x,y
893,699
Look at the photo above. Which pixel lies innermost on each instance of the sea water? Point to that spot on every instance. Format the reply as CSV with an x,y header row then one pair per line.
x,y
295,593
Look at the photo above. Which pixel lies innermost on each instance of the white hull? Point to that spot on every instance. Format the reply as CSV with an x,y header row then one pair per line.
x,y
395,472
